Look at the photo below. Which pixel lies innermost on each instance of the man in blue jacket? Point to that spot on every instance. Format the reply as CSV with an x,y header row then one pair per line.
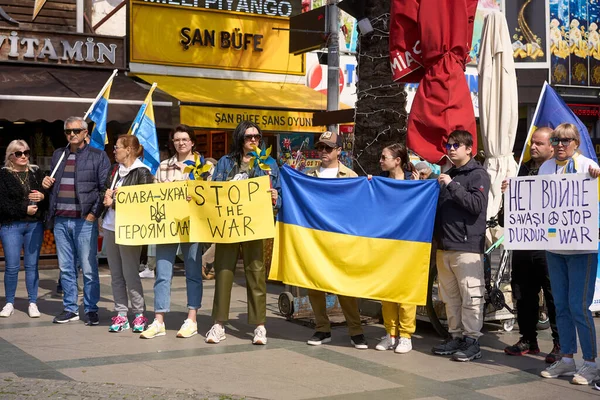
x,y
460,234
75,205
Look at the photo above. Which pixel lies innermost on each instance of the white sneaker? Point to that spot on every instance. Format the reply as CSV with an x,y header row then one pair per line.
x,y
585,375
7,311
147,273
404,345
216,334
559,368
260,335
387,343
33,311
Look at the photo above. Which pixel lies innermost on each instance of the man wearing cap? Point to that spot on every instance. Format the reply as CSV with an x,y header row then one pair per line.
x,y
329,148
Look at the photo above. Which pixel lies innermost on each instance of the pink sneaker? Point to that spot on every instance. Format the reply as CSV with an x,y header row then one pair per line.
x,y
119,323
139,323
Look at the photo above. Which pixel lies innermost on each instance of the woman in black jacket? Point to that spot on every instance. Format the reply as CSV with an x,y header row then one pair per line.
x,y
22,208
124,260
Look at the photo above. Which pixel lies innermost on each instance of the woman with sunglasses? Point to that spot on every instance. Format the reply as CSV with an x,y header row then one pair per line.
x,y
235,166
400,320
124,261
22,206
572,273
183,139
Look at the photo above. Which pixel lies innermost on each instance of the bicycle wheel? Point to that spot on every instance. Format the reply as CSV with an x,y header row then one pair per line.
x,y
434,303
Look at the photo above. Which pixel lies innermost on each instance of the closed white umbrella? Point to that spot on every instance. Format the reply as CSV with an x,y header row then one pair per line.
x,y
498,104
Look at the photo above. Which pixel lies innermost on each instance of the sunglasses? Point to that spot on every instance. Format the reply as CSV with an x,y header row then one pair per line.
x,y
74,131
253,137
19,154
324,148
454,146
554,141
383,158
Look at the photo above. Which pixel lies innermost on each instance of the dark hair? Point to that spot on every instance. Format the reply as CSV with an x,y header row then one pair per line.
x,y
186,129
238,139
134,143
399,150
462,137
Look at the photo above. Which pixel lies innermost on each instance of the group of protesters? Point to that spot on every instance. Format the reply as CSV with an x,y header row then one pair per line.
x,y
82,192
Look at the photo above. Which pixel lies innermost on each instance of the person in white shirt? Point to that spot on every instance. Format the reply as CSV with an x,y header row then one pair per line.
x,y
572,273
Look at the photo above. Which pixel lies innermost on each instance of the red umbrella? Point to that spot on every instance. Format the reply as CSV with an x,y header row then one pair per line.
x,y
437,35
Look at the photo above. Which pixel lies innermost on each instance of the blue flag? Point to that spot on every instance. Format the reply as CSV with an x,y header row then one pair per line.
x,y
99,116
553,111
144,128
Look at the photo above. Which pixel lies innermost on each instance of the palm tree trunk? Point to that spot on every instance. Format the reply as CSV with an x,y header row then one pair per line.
x,y
381,104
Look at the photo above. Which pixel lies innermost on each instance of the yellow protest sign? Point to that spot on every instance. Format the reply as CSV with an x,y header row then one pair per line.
x,y
152,214
219,212
230,212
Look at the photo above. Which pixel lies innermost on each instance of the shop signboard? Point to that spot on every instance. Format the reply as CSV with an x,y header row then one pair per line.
x,y
229,118
61,49
575,42
528,32
205,38
278,8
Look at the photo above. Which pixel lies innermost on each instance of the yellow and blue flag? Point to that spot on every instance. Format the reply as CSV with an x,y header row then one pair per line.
x,y
99,115
355,237
552,111
144,128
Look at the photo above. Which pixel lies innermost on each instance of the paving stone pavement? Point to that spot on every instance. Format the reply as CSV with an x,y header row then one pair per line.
x,y
39,359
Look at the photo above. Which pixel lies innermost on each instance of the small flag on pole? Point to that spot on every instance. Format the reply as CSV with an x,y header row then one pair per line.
x,y
552,111
98,114
144,128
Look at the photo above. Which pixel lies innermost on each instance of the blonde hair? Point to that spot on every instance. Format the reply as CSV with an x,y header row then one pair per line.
x,y
13,146
567,130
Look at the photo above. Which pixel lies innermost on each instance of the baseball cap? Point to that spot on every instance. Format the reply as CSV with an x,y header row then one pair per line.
x,y
331,139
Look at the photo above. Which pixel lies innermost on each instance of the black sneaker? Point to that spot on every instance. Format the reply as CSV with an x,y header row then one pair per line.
x,y
319,338
554,354
448,347
359,341
92,318
469,350
522,347
66,316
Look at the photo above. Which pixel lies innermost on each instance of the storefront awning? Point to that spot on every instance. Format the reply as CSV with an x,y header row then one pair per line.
x,y
50,94
222,103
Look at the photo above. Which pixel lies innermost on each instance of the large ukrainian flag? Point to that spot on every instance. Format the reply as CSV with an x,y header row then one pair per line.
x,y
355,237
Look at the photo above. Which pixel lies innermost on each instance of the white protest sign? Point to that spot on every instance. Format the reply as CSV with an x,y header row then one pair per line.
x,y
551,212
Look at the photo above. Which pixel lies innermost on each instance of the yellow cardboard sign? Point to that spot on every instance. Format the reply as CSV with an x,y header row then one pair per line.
x,y
229,118
219,212
202,38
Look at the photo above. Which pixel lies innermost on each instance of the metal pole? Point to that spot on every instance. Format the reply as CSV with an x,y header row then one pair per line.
x,y
333,61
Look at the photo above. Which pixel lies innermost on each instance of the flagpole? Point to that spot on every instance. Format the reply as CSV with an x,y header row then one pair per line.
x,y
108,82
136,125
530,132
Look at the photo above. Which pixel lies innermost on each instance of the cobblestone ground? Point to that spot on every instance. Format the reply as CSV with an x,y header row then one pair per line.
x,y
22,388
42,360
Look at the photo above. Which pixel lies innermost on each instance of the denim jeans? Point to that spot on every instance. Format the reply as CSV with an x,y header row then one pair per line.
x,y
165,259
16,236
77,242
573,279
